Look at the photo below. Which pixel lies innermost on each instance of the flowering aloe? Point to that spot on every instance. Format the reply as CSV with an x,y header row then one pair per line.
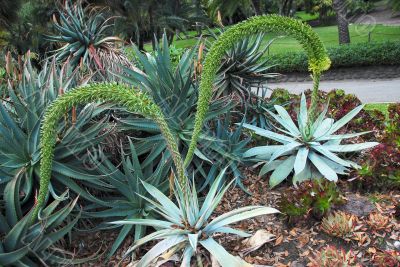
x,y
186,225
307,148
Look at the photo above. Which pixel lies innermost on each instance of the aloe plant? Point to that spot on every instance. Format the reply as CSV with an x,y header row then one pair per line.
x,y
309,151
243,66
174,90
21,113
226,148
26,244
187,224
84,34
256,108
125,182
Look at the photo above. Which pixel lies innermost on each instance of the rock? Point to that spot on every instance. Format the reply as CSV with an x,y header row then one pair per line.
x,y
297,264
358,205
397,245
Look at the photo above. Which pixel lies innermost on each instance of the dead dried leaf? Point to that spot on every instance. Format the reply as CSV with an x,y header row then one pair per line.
x,y
303,240
256,241
278,240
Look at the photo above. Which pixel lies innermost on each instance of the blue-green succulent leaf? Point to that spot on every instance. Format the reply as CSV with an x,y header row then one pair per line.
x,y
301,160
282,171
323,167
222,256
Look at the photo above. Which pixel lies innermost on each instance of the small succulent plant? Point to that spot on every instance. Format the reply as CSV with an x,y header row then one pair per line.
x,y
381,167
331,256
388,258
377,221
317,196
308,148
187,224
339,224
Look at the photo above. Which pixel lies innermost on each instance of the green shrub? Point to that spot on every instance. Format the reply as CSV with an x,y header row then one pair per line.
x,y
381,167
362,54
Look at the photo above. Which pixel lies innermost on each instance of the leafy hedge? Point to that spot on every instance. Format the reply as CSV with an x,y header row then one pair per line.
x,y
362,54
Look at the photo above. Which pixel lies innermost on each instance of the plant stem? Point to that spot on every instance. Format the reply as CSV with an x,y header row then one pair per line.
x,y
199,261
314,98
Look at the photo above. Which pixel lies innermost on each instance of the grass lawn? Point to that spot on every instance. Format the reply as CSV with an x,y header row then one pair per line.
x,y
328,35
304,16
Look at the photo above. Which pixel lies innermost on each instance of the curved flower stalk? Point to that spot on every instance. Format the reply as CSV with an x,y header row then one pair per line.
x,y
318,60
133,100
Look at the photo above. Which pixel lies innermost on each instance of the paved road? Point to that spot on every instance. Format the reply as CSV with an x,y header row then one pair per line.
x,y
366,90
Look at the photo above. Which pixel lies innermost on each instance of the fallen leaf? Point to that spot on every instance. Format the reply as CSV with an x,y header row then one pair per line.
x,y
303,240
293,232
256,241
279,240
305,253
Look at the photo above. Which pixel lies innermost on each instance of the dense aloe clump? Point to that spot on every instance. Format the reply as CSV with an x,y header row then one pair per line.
x,y
28,94
187,224
173,88
317,56
125,179
26,244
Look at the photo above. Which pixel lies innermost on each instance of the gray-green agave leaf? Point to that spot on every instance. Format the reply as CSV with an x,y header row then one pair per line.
x,y
187,224
308,149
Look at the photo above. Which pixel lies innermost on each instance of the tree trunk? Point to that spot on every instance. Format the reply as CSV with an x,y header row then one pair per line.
x,y
343,24
153,29
197,4
286,7
257,7
141,43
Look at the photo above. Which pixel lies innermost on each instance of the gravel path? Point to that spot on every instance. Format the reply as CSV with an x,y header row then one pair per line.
x,y
368,91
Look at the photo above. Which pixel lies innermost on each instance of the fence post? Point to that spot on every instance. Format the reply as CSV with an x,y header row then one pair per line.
x,y
369,36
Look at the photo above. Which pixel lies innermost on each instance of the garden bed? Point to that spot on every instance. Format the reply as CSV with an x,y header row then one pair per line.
x,y
282,240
